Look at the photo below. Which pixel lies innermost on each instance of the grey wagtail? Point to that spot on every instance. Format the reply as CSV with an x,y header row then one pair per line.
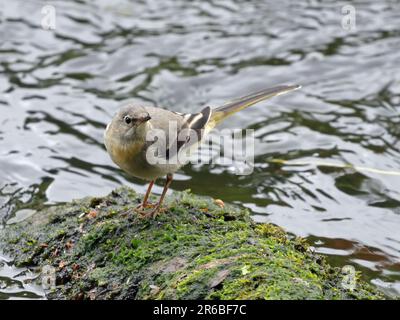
x,y
127,136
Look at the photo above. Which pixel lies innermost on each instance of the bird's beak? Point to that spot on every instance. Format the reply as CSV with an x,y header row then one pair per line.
x,y
144,119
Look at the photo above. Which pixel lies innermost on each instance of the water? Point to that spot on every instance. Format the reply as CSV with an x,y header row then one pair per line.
x,y
59,88
18,283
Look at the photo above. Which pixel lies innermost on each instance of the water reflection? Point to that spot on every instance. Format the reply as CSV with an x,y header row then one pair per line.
x,y
16,283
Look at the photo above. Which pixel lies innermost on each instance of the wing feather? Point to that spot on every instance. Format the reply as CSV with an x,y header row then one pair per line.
x,y
192,124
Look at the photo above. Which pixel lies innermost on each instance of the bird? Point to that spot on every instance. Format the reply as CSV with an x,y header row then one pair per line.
x,y
127,141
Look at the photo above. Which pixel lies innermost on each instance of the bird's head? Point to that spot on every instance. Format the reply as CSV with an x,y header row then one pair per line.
x,y
129,124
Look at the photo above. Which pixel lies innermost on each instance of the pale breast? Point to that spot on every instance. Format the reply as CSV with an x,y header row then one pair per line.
x,y
124,155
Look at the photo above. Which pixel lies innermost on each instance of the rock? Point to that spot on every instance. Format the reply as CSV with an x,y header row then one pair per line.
x,y
196,249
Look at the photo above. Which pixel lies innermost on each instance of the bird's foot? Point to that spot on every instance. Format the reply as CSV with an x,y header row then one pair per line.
x,y
153,213
141,207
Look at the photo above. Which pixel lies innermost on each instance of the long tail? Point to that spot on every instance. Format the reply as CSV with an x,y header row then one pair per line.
x,y
229,108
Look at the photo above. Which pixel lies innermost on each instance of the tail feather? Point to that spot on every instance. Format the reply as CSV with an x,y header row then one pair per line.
x,y
229,108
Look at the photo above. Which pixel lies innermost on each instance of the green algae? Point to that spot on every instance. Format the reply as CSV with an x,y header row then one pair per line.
x,y
102,249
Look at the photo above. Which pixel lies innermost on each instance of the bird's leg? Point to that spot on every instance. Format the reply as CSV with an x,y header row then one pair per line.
x,y
156,210
144,204
147,194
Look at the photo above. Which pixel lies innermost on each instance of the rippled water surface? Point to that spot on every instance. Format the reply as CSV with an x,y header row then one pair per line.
x,y
59,88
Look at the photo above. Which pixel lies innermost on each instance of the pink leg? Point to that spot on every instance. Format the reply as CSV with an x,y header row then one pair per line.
x,y
144,204
154,213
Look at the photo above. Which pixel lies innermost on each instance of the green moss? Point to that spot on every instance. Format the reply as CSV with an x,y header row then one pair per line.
x,y
99,276
102,249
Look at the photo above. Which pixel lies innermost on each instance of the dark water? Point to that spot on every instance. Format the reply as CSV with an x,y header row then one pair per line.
x,y
59,88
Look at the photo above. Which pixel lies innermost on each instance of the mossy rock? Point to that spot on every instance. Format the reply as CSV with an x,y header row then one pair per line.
x,y
102,249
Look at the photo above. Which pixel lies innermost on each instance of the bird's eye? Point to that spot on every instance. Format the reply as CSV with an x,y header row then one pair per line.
x,y
127,119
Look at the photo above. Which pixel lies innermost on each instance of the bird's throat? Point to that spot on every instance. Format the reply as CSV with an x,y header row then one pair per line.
x,y
123,154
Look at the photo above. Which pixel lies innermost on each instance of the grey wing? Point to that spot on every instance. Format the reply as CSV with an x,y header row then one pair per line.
x,y
191,131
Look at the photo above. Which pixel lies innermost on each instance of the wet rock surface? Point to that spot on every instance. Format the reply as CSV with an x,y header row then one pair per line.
x,y
100,248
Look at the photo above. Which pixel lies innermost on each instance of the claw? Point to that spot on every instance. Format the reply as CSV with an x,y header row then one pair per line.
x,y
152,214
143,206
157,208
